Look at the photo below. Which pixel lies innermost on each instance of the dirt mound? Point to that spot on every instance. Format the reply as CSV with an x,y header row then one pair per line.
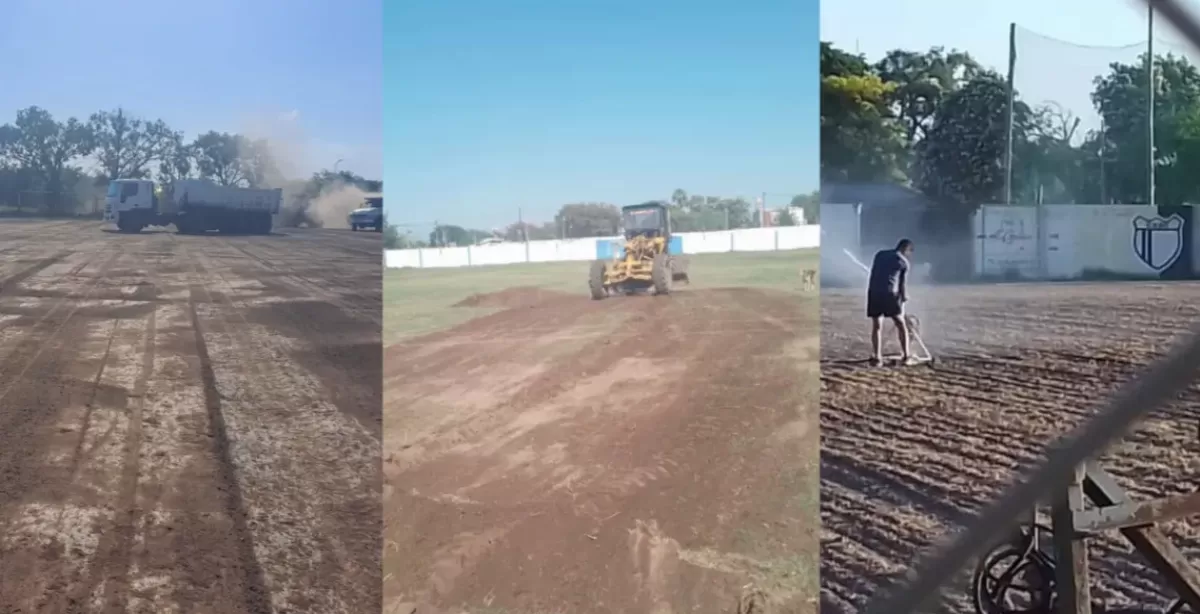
x,y
630,456
512,298
909,454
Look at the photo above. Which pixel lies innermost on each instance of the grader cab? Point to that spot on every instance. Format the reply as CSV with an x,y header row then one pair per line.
x,y
645,260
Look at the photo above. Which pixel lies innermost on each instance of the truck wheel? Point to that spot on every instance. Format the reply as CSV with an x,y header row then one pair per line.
x,y
354,228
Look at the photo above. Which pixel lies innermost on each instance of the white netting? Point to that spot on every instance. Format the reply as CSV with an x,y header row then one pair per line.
x,y
1059,77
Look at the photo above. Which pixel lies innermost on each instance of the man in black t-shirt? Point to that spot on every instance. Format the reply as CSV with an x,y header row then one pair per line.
x,y
886,294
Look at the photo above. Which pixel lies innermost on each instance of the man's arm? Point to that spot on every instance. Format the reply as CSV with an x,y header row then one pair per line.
x,y
904,284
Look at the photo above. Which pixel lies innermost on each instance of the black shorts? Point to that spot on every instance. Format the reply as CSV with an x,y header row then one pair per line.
x,y
884,305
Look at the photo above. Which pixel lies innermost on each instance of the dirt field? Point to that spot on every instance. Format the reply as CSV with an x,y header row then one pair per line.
x,y
639,454
188,424
907,454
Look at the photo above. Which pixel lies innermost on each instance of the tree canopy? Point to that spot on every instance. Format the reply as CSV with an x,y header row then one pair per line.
x,y
689,213
937,121
41,154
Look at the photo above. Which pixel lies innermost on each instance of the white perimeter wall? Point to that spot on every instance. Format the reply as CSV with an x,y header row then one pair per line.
x,y
741,240
1064,241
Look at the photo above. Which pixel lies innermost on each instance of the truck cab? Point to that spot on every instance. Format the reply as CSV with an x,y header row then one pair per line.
x,y
370,215
125,195
130,203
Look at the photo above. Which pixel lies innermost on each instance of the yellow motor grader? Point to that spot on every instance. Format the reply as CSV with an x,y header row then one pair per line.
x,y
646,260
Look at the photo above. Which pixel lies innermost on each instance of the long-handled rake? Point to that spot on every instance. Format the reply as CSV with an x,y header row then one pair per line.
x,y
912,323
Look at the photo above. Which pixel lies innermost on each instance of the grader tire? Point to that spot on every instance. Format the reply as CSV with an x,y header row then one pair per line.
x,y
660,274
596,280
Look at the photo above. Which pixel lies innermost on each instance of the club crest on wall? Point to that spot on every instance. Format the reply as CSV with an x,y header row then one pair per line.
x,y
1158,241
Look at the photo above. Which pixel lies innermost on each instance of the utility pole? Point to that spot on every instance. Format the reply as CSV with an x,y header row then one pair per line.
x,y
762,211
1103,153
1150,100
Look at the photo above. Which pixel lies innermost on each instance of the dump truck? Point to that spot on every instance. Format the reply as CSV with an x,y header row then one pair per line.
x,y
645,260
192,205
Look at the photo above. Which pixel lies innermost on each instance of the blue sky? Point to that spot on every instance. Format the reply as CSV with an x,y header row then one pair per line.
x,y
306,74
1061,45
494,106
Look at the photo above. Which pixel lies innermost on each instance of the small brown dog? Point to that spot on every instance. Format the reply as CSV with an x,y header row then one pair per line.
x,y
808,280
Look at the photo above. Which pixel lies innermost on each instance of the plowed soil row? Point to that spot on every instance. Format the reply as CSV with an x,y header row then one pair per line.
x,y
638,454
188,424
909,454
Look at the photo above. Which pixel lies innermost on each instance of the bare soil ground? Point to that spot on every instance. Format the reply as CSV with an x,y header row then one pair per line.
x,y
638,454
908,454
188,424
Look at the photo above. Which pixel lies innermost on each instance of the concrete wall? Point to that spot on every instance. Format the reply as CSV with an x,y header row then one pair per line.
x,y
1074,241
1045,242
741,240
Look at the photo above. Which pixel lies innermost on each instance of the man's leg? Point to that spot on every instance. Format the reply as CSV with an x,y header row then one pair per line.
x,y
876,340
902,333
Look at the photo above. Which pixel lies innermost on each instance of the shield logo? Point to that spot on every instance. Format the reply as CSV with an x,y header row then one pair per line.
x,y
1158,241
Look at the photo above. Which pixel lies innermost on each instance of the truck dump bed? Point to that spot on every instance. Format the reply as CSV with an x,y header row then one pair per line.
x,y
196,192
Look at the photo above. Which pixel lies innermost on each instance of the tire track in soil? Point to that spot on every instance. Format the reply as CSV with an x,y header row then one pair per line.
x,y
308,287
321,555
26,409
256,598
326,350
109,569
122,534
14,280
917,450
110,482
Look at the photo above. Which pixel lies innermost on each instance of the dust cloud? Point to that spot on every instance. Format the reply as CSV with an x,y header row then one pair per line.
x,y
280,142
331,207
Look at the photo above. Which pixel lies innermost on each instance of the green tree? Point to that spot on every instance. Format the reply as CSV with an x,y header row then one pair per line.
x,y
588,220
218,158
861,141
178,161
921,81
46,148
836,62
961,159
127,145
1120,97
449,235
810,204
1050,163
391,237
679,198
